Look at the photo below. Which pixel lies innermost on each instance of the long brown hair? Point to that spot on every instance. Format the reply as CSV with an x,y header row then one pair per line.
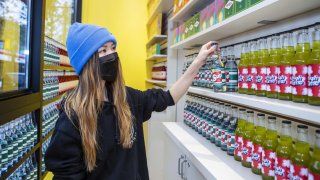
x,y
86,101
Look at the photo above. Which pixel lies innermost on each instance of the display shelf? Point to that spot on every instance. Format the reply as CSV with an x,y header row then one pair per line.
x,y
186,11
304,112
162,7
155,39
46,137
60,68
156,82
156,57
52,100
249,19
67,85
43,175
22,160
211,161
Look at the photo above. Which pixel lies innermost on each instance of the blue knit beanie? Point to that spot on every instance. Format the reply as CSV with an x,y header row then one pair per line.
x,y
83,41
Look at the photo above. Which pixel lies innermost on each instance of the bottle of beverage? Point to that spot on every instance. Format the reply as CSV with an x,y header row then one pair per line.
x,y
283,153
224,127
300,68
300,157
219,125
243,70
231,72
239,134
252,71
231,131
314,70
258,140
214,122
269,150
10,144
247,140
218,69
4,150
314,166
272,68
261,61
285,67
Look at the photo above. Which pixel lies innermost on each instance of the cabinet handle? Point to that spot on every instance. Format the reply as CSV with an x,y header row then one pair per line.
x,y
182,173
179,166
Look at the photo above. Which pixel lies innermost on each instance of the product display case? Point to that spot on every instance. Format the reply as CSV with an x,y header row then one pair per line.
x,y
34,73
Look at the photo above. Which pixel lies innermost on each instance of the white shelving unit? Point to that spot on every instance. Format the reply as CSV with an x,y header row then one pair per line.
x,y
299,111
271,10
187,9
163,6
210,160
157,57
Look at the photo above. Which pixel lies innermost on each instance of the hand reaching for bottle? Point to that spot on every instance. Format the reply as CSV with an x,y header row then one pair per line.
x,y
205,51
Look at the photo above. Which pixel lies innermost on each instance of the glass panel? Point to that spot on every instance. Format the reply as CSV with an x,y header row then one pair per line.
x,y
14,44
59,17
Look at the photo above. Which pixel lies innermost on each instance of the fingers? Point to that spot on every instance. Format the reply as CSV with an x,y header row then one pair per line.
x,y
208,45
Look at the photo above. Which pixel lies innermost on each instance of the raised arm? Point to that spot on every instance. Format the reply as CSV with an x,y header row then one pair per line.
x,y
180,87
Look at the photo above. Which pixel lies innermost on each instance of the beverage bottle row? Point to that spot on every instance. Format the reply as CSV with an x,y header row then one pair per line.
x,y
214,120
219,73
45,146
50,87
254,139
17,138
50,116
58,73
27,170
288,71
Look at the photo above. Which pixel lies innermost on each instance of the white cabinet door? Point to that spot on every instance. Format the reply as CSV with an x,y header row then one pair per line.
x,y
171,160
191,172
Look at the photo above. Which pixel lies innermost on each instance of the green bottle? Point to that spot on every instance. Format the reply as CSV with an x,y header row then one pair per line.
x,y
258,140
243,69
272,68
285,67
313,70
283,152
252,71
239,134
263,56
314,166
269,149
247,140
224,128
300,158
300,68
219,125
231,131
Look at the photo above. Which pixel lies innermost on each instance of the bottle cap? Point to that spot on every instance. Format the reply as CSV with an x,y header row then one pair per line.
x,y
302,126
242,109
260,114
286,122
250,112
318,131
272,117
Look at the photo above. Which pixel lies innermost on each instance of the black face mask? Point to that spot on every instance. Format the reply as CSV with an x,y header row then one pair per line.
x,y
109,67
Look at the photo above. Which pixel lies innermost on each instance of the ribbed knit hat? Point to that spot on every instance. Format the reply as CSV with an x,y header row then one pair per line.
x,y
83,41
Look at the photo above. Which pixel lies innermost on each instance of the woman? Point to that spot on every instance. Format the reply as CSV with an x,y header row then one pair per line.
x,y
99,134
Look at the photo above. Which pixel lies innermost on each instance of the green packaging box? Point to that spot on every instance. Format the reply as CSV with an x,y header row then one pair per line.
x,y
196,24
240,5
229,8
219,11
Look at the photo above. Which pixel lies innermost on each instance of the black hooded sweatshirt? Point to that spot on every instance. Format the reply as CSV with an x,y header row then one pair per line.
x,y
65,156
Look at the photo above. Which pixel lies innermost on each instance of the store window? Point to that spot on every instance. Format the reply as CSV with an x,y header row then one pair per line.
x,y
60,14
14,45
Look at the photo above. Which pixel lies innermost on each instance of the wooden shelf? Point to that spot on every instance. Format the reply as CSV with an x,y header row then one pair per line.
x,y
59,68
46,137
156,39
248,19
163,7
304,112
44,103
156,57
156,82
210,160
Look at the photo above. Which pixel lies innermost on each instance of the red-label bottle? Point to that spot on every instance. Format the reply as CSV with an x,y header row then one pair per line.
x,y
246,150
268,162
242,78
284,79
298,172
299,80
282,168
256,156
252,72
314,80
260,79
272,79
